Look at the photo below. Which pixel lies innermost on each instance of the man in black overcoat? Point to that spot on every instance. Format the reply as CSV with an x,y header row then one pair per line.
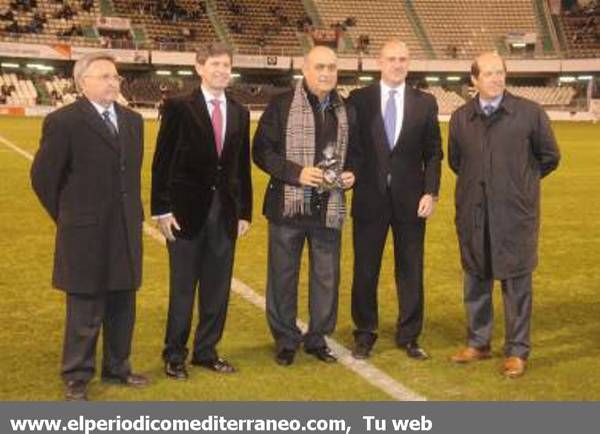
x,y
500,146
86,174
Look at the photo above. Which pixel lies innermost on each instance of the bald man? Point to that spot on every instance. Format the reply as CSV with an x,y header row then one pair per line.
x,y
500,146
295,132
397,184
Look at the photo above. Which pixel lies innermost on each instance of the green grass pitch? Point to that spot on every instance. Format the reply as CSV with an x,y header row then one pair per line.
x,y
566,320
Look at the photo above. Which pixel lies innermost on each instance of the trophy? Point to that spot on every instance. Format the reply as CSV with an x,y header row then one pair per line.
x,y
331,165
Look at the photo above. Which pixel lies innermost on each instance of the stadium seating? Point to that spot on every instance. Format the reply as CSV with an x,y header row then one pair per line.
x,y
473,26
447,100
23,92
173,34
581,35
265,25
53,26
380,19
546,96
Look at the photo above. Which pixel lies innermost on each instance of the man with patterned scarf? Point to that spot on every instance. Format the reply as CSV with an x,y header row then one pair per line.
x,y
299,130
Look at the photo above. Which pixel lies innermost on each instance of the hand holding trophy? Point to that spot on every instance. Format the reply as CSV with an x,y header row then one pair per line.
x,y
331,165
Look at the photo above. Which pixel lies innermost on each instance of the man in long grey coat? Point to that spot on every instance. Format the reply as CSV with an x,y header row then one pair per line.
x,y
500,146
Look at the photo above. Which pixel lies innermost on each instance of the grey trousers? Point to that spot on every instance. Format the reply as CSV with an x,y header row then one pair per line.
x,y
285,252
516,293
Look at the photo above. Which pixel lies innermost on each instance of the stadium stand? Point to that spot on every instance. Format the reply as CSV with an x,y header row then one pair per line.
x,y
17,91
49,22
263,25
580,30
168,25
379,19
447,100
545,95
60,90
469,27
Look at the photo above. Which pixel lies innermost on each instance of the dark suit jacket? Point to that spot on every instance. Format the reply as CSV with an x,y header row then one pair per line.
x,y
269,150
90,185
414,163
187,170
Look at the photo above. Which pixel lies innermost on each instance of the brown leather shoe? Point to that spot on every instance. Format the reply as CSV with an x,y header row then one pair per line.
x,y
76,390
471,354
514,367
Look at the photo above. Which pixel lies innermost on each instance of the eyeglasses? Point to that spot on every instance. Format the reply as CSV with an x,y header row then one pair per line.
x,y
107,77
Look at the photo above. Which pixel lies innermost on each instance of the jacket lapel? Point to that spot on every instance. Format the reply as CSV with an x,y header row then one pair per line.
x,y
201,117
407,115
94,120
125,135
376,125
230,126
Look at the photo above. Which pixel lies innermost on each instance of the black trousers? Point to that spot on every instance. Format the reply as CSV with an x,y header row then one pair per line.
x,y
285,252
369,240
204,265
114,312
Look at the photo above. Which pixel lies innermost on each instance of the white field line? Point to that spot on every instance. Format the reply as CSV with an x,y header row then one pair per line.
x,y
371,374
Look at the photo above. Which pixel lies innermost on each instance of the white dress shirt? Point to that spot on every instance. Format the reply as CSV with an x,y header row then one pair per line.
x,y
223,106
399,97
111,111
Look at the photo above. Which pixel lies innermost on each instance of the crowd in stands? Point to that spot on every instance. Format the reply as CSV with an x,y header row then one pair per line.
x,y
67,11
278,19
169,10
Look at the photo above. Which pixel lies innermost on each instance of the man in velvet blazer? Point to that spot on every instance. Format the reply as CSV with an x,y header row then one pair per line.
x,y
202,200
397,182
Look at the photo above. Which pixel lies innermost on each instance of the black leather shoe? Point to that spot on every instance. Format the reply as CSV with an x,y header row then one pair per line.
x,y
217,365
414,351
322,353
361,350
130,380
176,370
285,357
76,390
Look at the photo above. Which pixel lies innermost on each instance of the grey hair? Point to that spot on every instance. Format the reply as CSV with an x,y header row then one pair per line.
x,y
82,65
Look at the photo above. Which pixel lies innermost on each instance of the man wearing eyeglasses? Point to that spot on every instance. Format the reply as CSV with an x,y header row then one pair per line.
x,y
86,174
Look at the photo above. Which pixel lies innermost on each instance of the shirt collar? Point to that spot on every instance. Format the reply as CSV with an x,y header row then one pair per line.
x,y
314,100
209,96
385,89
101,109
493,102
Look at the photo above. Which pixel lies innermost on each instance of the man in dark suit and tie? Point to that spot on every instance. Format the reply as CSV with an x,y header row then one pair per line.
x,y
397,183
202,200
87,176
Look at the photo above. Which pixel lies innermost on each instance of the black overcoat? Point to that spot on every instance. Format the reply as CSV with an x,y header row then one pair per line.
x,y
89,183
499,161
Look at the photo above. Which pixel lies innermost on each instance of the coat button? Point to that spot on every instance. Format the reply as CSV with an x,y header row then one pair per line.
x,y
122,168
213,188
219,167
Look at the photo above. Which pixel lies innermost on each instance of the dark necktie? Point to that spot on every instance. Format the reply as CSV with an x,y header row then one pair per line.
x,y
111,127
488,109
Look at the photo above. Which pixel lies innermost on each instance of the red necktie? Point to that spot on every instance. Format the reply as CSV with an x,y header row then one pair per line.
x,y
217,123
